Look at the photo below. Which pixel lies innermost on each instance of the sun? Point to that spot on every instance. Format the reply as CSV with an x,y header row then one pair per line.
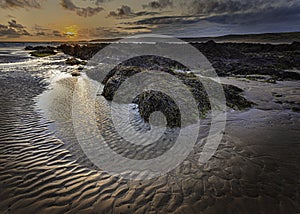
x,y
71,32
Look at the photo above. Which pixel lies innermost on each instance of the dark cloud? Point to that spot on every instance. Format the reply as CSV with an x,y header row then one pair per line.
x,y
159,5
14,24
81,11
56,33
135,28
13,30
99,2
43,31
167,20
126,12
268,15
20,3
40,28
213,7
40,34
220,17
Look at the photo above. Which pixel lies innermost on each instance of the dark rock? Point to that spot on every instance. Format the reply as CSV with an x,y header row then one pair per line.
x,y
39,48
83,52
43,52
234,99
151,101
75,73
73,61
296,108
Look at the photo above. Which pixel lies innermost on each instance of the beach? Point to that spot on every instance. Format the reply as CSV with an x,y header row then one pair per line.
x,y
44,170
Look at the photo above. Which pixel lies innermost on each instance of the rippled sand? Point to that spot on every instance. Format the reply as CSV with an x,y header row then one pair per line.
x,y
43,170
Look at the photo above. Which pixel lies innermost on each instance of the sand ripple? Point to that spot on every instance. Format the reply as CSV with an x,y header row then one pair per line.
x,y
42,171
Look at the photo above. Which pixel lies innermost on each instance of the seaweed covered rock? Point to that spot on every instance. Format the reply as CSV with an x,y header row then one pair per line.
x,y
151,100
42,51
39,48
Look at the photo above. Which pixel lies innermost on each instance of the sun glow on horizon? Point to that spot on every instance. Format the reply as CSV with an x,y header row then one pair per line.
x,y
71,32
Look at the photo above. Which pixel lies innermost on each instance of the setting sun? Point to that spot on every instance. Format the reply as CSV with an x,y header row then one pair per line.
x,y
71,32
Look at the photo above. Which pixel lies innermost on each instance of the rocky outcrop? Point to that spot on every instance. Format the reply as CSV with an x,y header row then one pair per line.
x,y
151,101
41,51
231,59
83,52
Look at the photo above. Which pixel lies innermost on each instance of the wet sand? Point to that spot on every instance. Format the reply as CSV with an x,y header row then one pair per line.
x,y
43,170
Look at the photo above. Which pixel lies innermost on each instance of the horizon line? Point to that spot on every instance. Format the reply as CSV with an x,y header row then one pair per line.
x,y
119,38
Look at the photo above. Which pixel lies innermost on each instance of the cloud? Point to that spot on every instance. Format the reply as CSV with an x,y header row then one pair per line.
x,y
40,28
56,33
167,20
101,32
135,28
222,17
13,30
81,11
43,31
99,2
40,34
214,7
122,11
20,4
112,32
160,4
14,24
268,15
126,12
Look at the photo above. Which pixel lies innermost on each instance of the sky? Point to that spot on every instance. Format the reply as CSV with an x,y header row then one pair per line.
x,y
73,20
